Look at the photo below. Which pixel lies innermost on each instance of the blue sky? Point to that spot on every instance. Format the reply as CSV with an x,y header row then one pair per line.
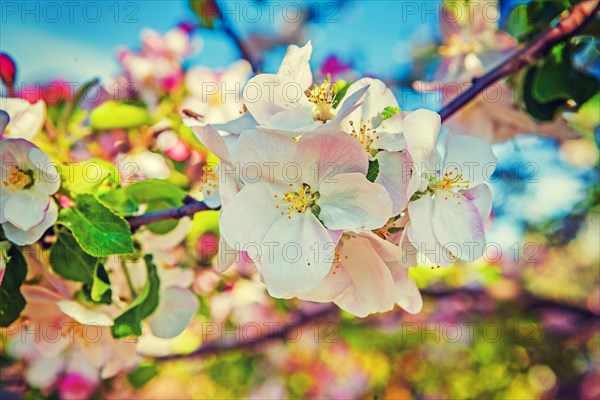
x,y
78,42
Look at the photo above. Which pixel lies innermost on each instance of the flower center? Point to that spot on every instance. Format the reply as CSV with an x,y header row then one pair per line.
x,y
18,179
365,135
323,97
452,180
209,180
298,201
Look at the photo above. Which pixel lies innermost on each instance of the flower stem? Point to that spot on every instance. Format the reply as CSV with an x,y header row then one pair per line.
x,y
128,278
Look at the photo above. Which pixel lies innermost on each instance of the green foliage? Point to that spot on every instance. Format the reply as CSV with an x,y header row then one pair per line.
x,y
112,115
555,84
70,261
129,323
389,112
98,230
206,11
157,195
12,301
101,291
527,20
142,375
88,176
557,79
118,200
373,170
340,88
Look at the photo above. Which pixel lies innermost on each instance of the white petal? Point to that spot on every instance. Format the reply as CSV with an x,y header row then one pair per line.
x,y
84,315
47,180
266,95
249,216
295,65
458,226
174,313
43,372
375,100
394,175
26,209
264,156
421,234
21,238
481,197
421,130
213,141
472,156
292,122
26,119
296,255
407,293
323,156
354,203
237,126
372,288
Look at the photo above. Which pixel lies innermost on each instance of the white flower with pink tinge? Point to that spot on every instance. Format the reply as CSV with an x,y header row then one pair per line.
x,y
25,119
290,104
449,204
308,192
29,178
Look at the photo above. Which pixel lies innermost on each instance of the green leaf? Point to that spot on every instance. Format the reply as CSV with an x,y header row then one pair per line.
x,y
129,323
70,261
142,375
373,170
72,106
118,200
557,79
111,115
340,88
88,176
157,195
206,11
147,191
101,291
540,111
389,112
12,301
98,230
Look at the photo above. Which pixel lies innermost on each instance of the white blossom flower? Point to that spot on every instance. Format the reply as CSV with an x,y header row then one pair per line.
x,y
367,276
289,103
450,203
26,119
303,195
29,178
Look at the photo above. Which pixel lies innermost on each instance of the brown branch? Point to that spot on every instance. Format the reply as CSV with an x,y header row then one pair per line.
x,y
529,302
302,319
242,46
578,16
172,213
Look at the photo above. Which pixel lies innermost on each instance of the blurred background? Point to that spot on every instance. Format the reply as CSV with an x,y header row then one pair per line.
x,y
520,323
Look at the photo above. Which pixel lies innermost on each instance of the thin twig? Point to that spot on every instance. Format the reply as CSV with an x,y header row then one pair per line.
x,y
240,44
577,17
171,213
220,346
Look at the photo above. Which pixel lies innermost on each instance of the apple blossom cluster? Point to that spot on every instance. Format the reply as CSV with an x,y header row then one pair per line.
x,y
332,191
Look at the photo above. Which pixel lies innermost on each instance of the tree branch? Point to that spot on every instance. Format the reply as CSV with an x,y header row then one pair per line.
x,y
301,319
186,210
578,16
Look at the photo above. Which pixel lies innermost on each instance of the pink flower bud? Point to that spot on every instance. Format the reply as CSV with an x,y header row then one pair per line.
x,y
8,69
